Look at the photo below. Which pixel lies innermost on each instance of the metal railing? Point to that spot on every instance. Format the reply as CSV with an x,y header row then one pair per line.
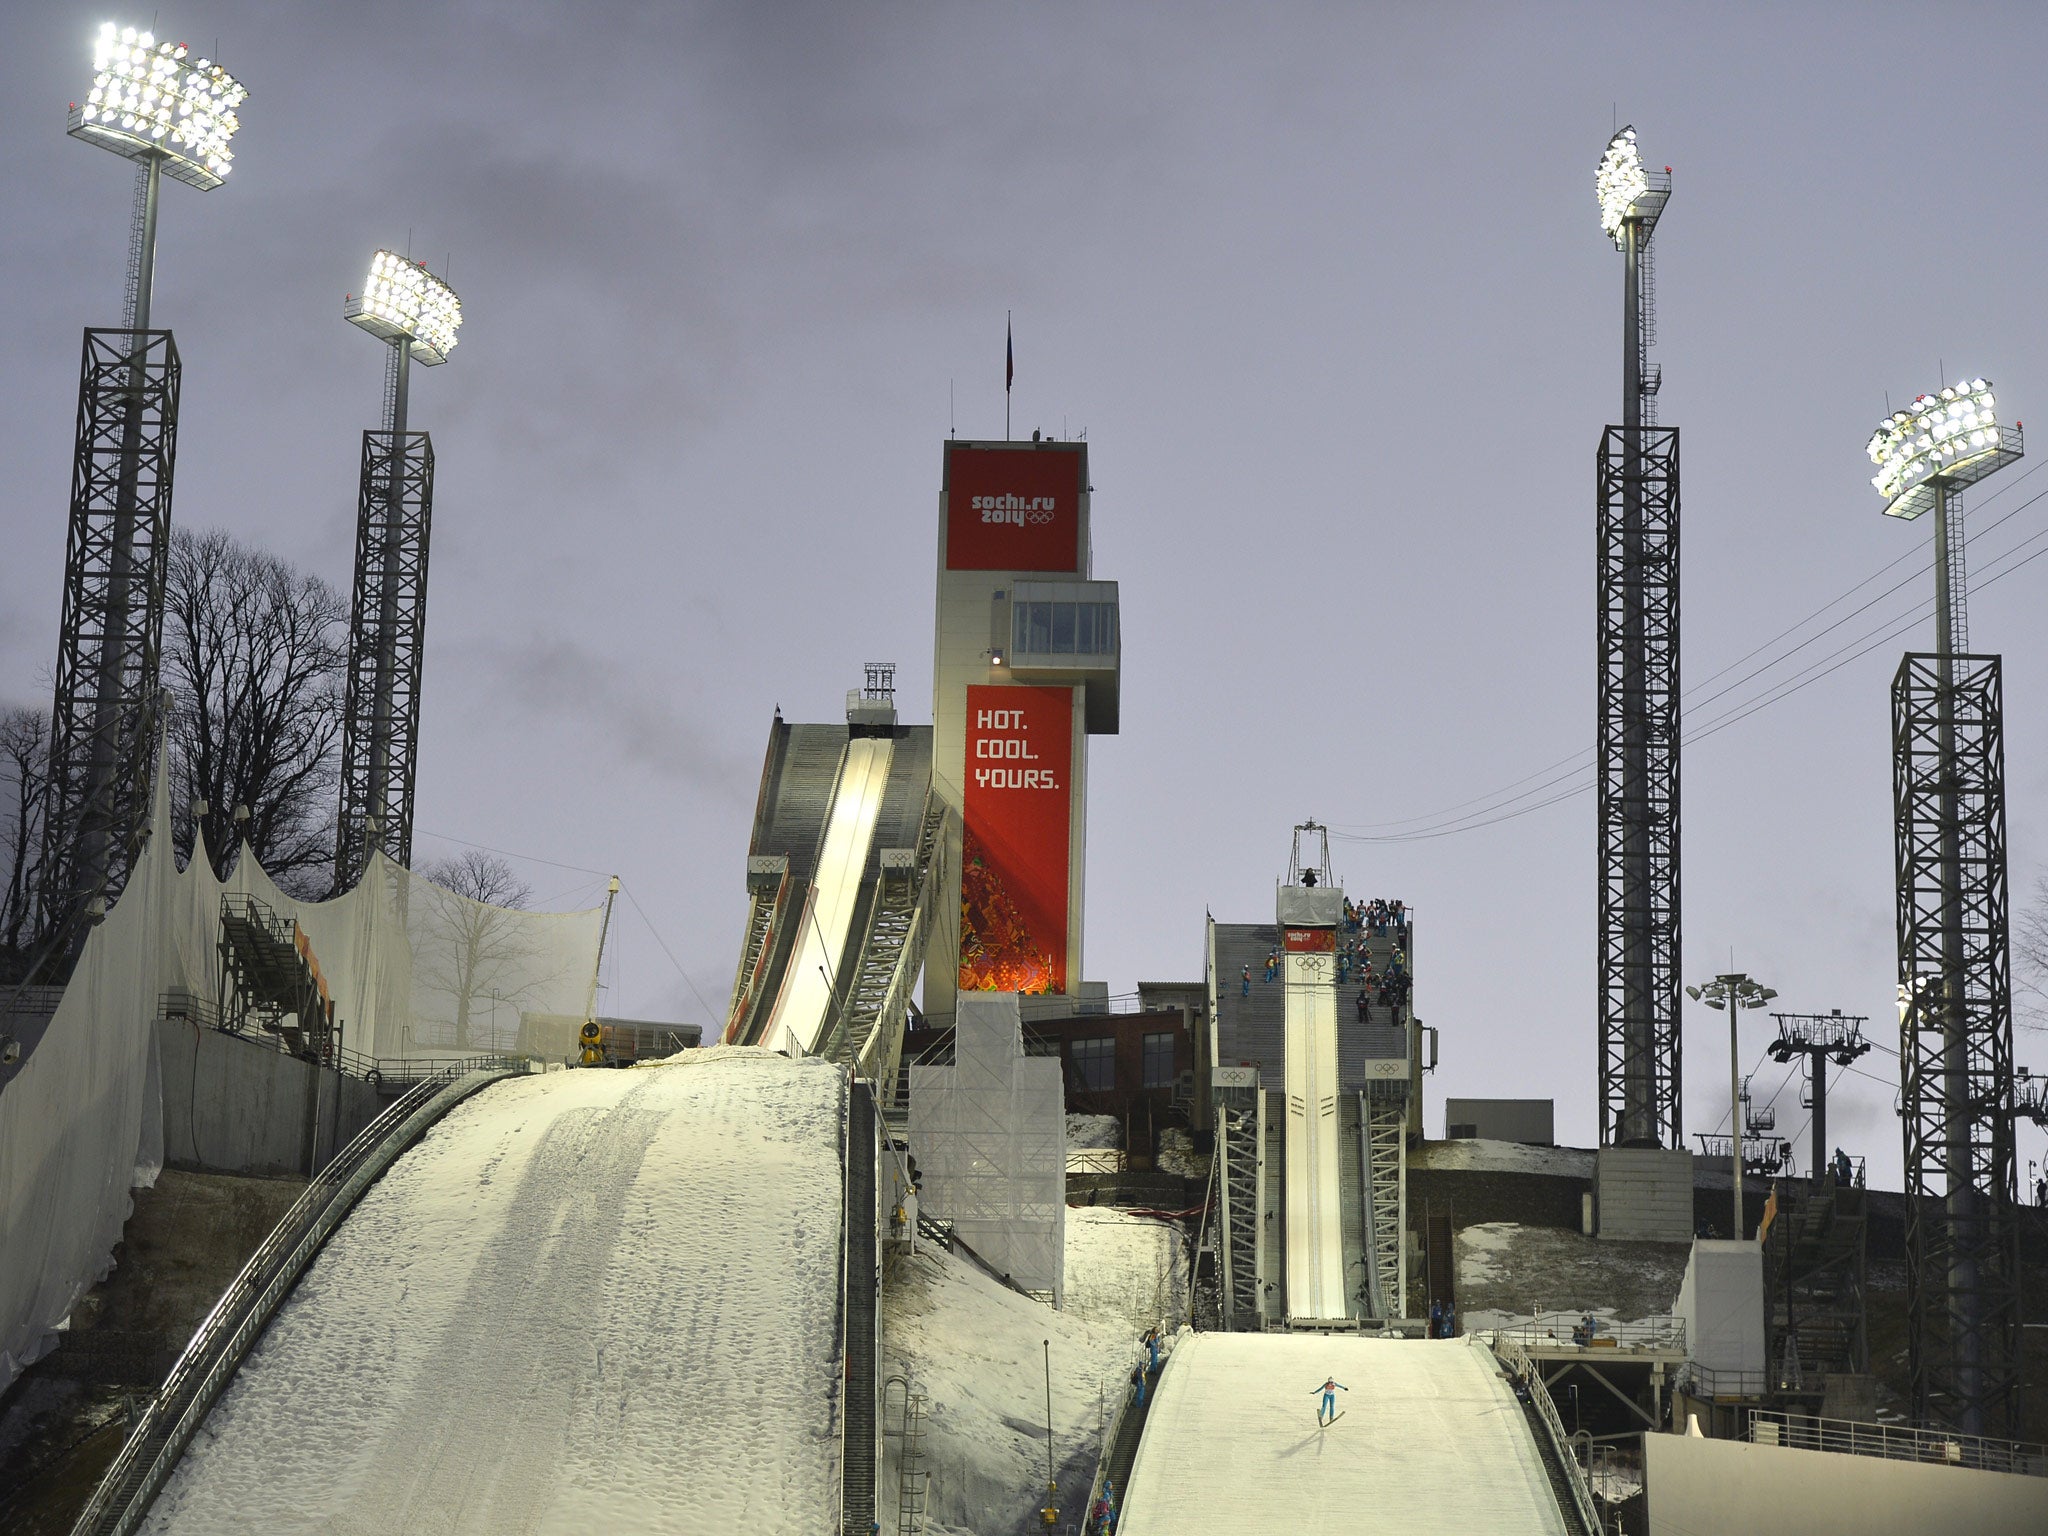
x,y
173,1415
1722,1386
1522,1370
1896,1442
1662,1334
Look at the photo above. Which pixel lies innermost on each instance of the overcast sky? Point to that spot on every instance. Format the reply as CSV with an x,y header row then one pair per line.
x,y
1323,285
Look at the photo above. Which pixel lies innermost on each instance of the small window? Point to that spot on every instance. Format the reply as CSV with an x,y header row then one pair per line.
x,y
1063,629
1159,1060
1084,628
1094,1063
1105,627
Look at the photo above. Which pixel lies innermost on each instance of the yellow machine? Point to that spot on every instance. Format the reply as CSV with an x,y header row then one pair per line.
x,y
591,1037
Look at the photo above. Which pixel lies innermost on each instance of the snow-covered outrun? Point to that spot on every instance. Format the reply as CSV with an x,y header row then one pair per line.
x,y
587,1301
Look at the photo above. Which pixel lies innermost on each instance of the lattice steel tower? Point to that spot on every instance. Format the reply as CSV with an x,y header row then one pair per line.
x,y
1638,696
1955,986
173,116
416,315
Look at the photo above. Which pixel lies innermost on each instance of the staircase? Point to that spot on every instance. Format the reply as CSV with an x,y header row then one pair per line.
x,y
869,1033
1237,1148
1814,1269
862,1311
1386,1150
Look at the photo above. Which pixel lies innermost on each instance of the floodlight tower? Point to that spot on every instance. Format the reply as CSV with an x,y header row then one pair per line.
x,y
1638,696
174,116
416,316
1955,987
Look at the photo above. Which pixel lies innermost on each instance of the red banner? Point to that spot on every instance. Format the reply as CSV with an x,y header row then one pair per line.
x,y
1309,940
1014,509
1017,815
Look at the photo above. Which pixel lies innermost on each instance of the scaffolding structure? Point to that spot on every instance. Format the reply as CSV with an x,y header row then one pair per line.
x,y
989,1135
1955,1040
1638,707
110,636
387,635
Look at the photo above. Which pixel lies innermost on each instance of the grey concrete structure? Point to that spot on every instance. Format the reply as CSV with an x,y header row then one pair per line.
x,y
1768,1490
232,1105
1530,1121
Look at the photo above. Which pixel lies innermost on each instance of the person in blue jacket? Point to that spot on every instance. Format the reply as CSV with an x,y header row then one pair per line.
x,y
1330,1388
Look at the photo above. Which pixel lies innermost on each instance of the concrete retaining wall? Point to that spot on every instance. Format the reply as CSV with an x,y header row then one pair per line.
x,y
240,1106
1768,1490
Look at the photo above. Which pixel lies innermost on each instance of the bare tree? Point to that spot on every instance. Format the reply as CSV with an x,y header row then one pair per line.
x,y
24,768
2030,958
255,655
474,946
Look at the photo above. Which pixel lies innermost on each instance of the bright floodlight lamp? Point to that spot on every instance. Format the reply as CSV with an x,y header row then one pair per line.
x,y
1953,436
152,101
402,301
1619,183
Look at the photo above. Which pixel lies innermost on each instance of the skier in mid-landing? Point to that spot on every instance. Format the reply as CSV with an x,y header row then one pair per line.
x,y
1327,1414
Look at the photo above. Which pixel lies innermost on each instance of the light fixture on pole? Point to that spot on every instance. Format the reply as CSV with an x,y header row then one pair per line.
x,y
1636,754
152,103
1733,991
416,315
1953,928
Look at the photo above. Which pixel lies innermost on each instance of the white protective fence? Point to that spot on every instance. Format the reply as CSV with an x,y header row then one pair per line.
x,y
989,1135
416,972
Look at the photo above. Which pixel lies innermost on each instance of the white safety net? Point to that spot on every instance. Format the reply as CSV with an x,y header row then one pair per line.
x,y
989,1136
414,972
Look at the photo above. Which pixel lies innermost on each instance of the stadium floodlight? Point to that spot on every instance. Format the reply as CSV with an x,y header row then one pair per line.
x,y
1953,436
402,301
151,101
1619,182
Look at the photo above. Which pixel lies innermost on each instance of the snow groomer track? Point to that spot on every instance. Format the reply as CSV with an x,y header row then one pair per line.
x,y
594,1300
1431,1440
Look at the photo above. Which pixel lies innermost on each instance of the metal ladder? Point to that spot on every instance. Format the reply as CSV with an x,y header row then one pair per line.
x,y
1239,1149
1386,1138
912,1480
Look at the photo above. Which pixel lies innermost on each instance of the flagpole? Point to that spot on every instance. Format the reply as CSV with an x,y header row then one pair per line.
x,y
1009,370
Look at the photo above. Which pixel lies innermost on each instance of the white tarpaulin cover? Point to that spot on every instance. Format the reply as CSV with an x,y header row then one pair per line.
x,y
990,1137
414,971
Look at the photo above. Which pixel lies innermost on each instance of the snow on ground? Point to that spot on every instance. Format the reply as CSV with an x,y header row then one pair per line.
x,y
1093,1131
977,1350
1468,1153
1127,1270
585,1301
1508,1272
1177,1155
1430,1440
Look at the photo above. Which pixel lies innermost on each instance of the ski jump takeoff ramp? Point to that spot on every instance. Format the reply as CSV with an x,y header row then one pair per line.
x,y
841,881
586,1301
1431,1440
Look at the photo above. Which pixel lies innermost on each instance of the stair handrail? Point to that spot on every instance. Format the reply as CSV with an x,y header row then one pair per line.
x,y
174,1413
1517,1363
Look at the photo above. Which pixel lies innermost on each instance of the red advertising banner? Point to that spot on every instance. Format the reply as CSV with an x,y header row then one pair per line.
x,y
1309,940
1014,509
1017,815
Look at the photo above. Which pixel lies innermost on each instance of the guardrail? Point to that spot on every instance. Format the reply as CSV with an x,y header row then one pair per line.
x,y
1719,1385
1663,1334
1522,1371
1803,1432
166,1426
